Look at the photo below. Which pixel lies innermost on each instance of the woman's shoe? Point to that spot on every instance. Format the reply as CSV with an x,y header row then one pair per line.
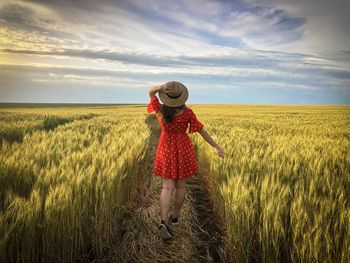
x,y
173,220
165,231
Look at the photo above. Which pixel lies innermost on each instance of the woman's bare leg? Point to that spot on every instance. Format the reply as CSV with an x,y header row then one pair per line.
x,y
165,198
179,195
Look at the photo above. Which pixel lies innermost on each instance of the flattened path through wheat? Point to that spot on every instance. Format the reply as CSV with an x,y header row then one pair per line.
x,y
196,239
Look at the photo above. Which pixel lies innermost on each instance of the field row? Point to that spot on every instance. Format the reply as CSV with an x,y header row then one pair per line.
x,y
13,127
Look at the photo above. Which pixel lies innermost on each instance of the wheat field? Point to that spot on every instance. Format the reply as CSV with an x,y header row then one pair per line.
x,y
282,192
65,179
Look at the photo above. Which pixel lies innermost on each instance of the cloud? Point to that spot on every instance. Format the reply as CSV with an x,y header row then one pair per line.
x,y
192,69
165,27
179,27
31,83
232,45
326,23
250,63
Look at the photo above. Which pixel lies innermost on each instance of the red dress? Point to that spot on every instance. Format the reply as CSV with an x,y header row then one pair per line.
x,y
175,156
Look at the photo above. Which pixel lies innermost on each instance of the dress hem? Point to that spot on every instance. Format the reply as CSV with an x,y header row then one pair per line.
x,y
196,174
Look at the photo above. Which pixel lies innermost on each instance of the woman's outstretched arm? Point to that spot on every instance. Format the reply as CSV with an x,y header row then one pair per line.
x,y
210,140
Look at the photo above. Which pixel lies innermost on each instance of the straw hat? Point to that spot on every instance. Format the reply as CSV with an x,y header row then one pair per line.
x,y
176,97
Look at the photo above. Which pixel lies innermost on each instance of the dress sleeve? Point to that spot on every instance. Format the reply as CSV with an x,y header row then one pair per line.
x,y
195,124
154,105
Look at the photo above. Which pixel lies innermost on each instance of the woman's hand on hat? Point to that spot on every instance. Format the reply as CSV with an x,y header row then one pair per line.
x,y
220,151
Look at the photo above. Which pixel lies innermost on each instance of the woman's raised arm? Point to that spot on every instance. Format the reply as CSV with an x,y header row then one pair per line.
x,y
153,91
164,87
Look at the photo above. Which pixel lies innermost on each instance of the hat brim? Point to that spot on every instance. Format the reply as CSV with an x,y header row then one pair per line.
x,y
174,102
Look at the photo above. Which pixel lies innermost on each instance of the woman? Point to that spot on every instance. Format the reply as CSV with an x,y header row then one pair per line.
x,y
175,159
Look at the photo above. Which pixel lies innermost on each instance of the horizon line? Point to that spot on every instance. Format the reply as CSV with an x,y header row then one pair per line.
x,y
133,103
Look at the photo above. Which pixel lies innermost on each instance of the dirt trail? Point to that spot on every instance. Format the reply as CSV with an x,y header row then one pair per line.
x,y
197,238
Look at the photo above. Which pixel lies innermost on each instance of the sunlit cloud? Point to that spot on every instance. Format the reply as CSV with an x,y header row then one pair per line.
x,y
240,48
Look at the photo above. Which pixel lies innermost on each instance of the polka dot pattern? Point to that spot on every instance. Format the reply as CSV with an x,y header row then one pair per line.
x,y
175,155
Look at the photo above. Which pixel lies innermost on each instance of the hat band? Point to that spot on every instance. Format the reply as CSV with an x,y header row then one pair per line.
x,y
174,97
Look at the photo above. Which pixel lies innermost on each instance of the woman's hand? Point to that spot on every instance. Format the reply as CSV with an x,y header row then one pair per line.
x,y
220,151
166,87
154,90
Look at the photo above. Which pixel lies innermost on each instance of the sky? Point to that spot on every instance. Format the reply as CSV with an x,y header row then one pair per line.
x,y
229,52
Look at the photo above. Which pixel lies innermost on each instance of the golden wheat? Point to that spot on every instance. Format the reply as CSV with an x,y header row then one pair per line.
x,y
63,190
282,190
